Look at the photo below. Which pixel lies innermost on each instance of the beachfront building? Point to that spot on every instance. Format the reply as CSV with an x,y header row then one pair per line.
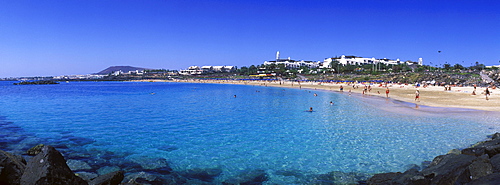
x,y
192,70
354,60
196,70
293,64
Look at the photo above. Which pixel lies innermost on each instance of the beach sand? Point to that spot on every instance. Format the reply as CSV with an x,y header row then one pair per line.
x,y
434,96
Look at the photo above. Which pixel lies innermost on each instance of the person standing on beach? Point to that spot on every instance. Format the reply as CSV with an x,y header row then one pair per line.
x,y
387,92
487,93
417,95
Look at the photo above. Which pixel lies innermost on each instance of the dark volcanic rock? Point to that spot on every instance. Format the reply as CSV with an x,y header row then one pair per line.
x,y
35,150
495,163
11,168
383,178
253,177
491,179
206,175
480,167
144,177
113,178
50,168
41,82
491,147
446,169
474,151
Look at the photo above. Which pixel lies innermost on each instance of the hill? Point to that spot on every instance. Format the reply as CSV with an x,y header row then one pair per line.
x,y
124,69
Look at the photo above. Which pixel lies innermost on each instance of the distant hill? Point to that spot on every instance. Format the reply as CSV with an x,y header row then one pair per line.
x,y
124,69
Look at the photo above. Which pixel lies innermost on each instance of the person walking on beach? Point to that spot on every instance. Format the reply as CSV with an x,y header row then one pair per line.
x,y
487,93
387,92
417,95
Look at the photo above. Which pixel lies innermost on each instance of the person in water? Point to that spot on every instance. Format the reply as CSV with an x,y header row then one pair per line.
x,y
310,109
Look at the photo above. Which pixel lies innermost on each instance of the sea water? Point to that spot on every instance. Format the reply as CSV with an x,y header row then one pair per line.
x,y
238,127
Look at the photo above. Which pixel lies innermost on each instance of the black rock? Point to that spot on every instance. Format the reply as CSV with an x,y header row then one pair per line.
x,y
35,150
113,178
252,177
206,175
143,178
11,168
49,168
491,147
383,178
411,177
41,82
446,169
495,136
495,163
474,151
480,167
491,179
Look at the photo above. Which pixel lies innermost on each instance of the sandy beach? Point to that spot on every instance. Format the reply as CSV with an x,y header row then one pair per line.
x,y
435,96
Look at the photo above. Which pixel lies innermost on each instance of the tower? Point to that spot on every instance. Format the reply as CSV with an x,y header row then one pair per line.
x,y
277,56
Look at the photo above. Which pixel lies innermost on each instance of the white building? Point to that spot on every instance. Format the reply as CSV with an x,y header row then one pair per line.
x,y
195,70
353,60
293,64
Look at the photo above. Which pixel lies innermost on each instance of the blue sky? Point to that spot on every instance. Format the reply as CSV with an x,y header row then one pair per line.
x,y
65,37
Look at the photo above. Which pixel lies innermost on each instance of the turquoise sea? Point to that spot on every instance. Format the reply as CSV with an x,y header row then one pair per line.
x,y
195,125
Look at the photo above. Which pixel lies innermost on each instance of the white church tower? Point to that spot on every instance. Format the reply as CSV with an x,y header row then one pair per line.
x,y
277,56
420,61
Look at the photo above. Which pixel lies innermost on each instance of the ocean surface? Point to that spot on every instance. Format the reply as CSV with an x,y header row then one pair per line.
x,y
195,125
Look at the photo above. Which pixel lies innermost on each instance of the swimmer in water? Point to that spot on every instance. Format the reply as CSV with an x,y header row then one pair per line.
x,y
331,103
310,109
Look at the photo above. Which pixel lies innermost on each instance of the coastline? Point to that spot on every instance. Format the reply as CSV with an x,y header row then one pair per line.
x,y
432,96
195,173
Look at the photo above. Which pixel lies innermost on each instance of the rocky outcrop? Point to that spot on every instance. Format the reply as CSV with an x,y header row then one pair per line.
x,y
248,177
113,178
479,164
42,82
11,168
35,150
49,167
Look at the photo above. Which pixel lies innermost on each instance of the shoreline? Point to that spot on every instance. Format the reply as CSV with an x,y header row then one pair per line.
x,y
432,96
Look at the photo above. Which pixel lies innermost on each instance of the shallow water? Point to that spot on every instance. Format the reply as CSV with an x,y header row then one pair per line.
x,y
205,126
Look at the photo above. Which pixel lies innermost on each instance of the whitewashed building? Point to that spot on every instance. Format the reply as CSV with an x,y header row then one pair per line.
x,y
353,60
293,64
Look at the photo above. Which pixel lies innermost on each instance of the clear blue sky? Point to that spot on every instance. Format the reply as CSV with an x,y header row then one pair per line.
x,y
64,37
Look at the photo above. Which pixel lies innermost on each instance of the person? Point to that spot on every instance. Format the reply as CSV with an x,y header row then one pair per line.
x,y
315,94
310,109
387,92
235,95
341,88
331,103
487,93
417,95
